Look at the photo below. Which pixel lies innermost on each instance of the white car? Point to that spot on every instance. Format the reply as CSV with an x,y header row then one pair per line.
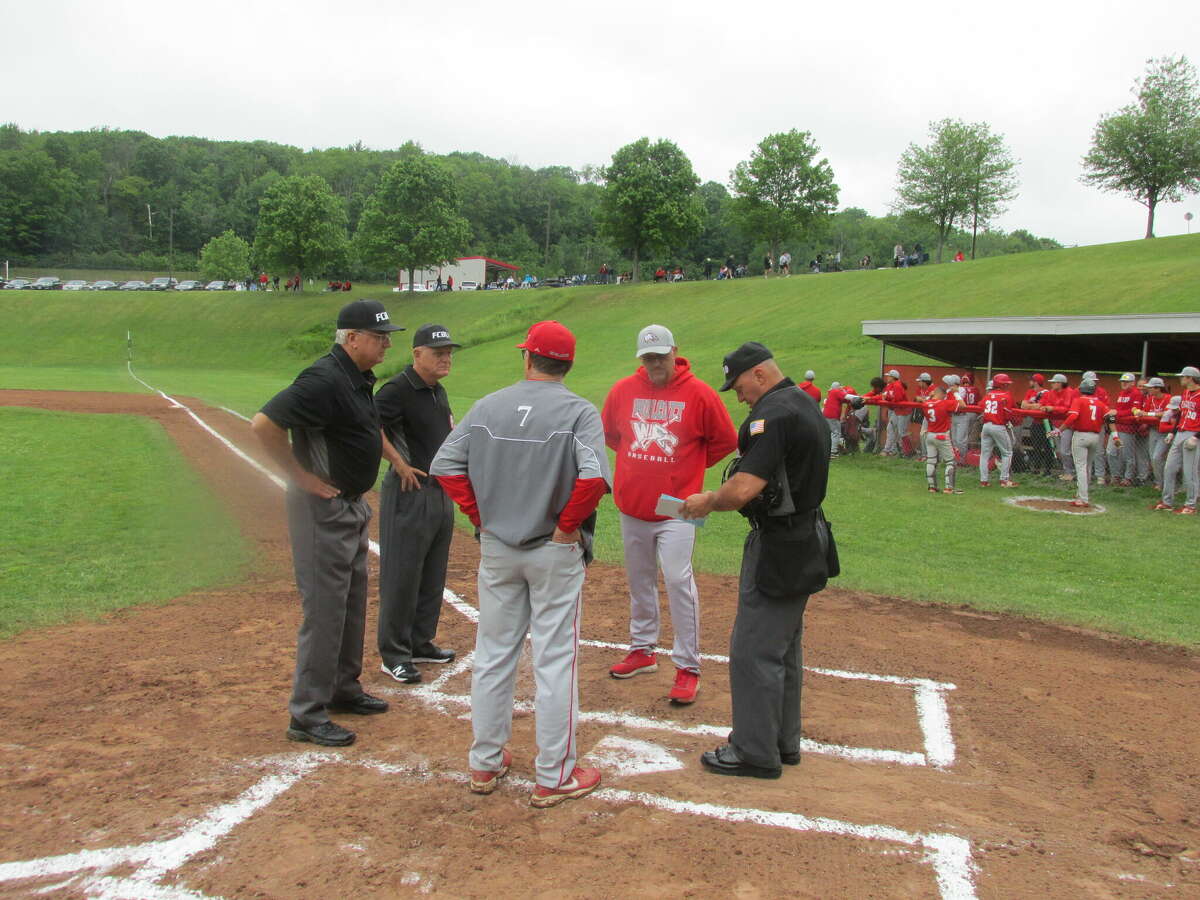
x,y
75,285
416,286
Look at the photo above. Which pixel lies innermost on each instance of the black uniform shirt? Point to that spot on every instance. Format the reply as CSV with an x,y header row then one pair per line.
x,y
416,417
785,427
331,415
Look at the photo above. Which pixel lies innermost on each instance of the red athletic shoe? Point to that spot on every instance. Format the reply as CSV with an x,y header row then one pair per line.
x,y
952,491
486,782
985,484
637,662
1081,504
1009,484
582,783
1125,482
1161,505
1186,511
933,490
687,684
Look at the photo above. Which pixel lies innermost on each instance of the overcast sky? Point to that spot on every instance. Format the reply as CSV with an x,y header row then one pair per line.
x,y
557,83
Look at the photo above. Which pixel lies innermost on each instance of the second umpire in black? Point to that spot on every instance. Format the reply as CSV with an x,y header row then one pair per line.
x,y
333,460
778,483
416,518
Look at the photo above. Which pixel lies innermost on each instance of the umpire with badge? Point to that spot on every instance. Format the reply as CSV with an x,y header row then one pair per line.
x,y
332,461
778,483
416,518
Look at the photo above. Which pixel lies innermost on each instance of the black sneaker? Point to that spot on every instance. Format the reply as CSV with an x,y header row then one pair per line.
x,y
327,734
789,757
362,705
405,673
433,654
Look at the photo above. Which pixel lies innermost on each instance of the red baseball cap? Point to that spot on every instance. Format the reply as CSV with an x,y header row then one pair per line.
x,y
1038,378
550,339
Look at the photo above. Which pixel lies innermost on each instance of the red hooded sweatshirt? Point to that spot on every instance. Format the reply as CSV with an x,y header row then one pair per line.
x,y
664,437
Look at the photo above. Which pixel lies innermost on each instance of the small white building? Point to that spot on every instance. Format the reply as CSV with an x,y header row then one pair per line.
x,y
467,271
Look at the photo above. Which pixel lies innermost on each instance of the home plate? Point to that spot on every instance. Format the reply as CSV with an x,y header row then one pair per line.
x,y
626,756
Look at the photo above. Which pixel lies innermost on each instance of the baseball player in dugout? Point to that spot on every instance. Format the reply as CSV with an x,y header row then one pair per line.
x,y
333,459
778,484
416,518
666,427
527,465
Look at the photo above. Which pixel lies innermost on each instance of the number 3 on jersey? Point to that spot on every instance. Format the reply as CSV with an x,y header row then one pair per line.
x,y
527,410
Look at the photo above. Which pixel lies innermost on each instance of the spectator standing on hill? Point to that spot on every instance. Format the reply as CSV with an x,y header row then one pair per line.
x,y
1123,458
708,268
808,387
835,399
416,517
331,462
767,265
1184,455
527,466
666,427
262,281
1086,420
894,391
996,433
785,264
275,283
1151,415
899,258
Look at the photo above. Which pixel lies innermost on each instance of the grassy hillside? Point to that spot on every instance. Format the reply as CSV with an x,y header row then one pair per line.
x,y
237,349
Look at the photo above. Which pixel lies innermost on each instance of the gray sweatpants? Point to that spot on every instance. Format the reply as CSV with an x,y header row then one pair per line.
x,y
1182,459
1084,447
538,590
329,553
1000,438
669,544
939,449
835,435
414,545
765,668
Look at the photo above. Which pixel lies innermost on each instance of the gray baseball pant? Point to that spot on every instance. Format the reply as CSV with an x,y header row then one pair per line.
x,y
1183,459
415,528
1064,451
765,668
1000,438
1158,454
669,545
329,553
960,432
835,435
1141,454
1101,465
939,449
897,428
538,590
1122,461
1084,446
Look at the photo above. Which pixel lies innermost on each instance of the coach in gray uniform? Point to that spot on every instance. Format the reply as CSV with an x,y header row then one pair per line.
x,y
778,484
527,464
332,461
416,518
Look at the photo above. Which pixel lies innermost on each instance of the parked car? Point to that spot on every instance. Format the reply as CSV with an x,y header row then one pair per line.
x,y
103,286
46,283
189,285
162,283
75,284
215,286
134,285
17,284
468,285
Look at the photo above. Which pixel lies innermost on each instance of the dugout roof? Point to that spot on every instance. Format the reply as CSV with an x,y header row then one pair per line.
x,y
1159,344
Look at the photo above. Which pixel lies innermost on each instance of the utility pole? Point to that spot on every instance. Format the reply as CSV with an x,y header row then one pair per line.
x,y
546,261
171,246
150,222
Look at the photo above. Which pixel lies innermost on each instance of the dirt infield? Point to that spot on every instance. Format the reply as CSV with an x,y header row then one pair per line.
x,y
144,756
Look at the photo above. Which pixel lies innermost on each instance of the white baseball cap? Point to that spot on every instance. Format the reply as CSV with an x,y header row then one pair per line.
x,y
1092,376
835,384
926,377
1129,376
810,375
893,372
654,339
1190,372
1059,379
1156,382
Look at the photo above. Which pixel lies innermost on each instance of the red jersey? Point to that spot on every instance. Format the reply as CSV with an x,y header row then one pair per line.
x,y
1087,414
833,403
1153,412
970,394
1061,403
996,404
894,391
811,389
1189,411
1126,401
937,414
1101,395
664,438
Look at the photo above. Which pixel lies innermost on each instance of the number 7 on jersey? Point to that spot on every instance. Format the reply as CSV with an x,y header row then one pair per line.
x,y
527,410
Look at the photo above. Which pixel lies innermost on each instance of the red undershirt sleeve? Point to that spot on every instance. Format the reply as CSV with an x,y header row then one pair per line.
x,y
463,493
584,499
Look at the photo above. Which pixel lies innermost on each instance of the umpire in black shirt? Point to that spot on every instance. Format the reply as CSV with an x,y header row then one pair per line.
x,y
332,461
778,484
416,518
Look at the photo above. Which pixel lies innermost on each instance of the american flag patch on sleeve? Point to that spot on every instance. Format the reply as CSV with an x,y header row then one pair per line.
x,y
758,426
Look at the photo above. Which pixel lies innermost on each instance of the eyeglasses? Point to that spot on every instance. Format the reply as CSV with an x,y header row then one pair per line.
x,y
382,335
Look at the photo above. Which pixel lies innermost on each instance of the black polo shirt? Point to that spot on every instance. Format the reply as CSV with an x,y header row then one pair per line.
x,y
785,427
415,417
331,414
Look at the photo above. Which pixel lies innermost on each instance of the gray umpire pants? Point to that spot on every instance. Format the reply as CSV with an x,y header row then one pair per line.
x,y
1185,460
329,552
765,668
669,544
415,528
538,590
1084,447
999,438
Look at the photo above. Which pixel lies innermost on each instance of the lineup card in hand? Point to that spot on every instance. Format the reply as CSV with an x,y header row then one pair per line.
x,y
671,506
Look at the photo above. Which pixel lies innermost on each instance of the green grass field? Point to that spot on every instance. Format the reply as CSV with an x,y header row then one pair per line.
x,y
101,512
236,350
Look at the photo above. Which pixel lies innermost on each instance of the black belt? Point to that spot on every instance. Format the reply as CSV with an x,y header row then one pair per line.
x,y
351,498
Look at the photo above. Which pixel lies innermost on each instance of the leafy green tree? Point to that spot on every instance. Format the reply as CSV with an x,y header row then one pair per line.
x,y
935,179
301,226
1149,150
412,221
36,199
649,201
991,179
782,190
225,257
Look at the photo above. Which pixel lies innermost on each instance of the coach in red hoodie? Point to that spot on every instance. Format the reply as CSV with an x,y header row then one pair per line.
x,y
667,427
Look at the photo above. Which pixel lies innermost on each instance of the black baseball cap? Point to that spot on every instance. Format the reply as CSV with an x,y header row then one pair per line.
x,y
433,336
365,315
745,357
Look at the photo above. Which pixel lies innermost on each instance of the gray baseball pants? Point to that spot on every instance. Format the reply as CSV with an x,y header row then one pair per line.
x,y
835,435
897,428
765,668
329,553
414,545
1158,448
1122,461
960,432
939,449
669,545
997,437
1065,451
1181,458
538,590
1084,447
